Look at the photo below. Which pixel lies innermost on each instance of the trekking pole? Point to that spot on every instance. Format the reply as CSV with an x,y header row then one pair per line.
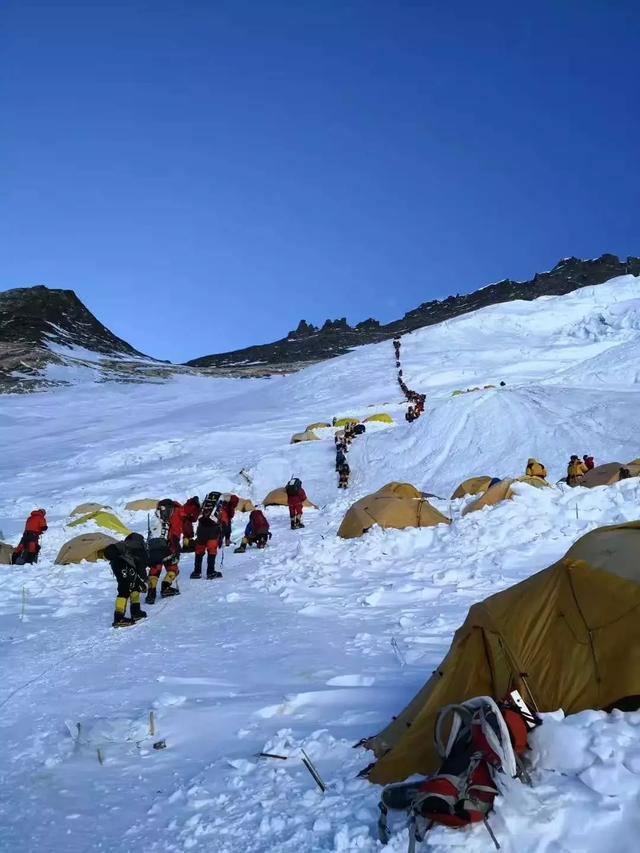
x,y
490,831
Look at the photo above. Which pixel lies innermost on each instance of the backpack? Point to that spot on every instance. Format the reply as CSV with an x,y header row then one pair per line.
x,y
158,549
293,487
484,738
210,501
258,522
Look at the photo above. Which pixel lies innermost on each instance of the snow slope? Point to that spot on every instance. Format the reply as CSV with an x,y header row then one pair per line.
x,y
318,641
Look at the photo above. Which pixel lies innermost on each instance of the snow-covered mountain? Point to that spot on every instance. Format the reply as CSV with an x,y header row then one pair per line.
x,y
48,337
318,641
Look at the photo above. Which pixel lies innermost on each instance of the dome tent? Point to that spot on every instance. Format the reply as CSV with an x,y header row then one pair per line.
x,y
278,497
502,491
87,546
607,474
318,425
143,504
82,509
381,417
472,486
299,437
565,637
343,422
395,507
6,552
103,519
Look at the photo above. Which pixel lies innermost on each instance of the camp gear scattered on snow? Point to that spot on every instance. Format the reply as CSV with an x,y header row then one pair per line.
x,y
472,486
300,437
87,546
567,637
278,497
397,506
143,504
83,509
103,519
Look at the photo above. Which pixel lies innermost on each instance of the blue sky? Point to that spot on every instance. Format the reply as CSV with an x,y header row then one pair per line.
x,y
205,173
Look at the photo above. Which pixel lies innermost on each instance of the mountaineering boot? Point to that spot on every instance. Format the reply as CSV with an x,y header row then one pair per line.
x,y
166,590
137,612
151,595
211,567
293,524
299,521
197,567
121,621
242,547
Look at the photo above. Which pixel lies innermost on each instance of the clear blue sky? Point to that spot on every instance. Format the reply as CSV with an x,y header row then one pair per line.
x,y
205,173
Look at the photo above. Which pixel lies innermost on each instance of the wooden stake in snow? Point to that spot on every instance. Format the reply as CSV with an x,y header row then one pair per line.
x,y
100,756
576,510
152,723
397,652
24,600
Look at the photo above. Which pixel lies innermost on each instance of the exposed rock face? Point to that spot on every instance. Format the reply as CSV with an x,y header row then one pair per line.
x,y
308,344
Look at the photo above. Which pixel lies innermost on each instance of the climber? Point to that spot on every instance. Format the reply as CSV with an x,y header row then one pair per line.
x,y
28,548
208,538
589,461
192,513
160,557
255,533
225,512
128,561
340,458
535,469
576,469
359,429
296,497
343,476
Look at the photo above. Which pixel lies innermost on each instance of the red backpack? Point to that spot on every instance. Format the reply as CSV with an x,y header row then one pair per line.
x,y
259,524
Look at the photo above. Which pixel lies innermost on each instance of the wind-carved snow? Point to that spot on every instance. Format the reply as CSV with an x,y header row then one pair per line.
x,y
318,641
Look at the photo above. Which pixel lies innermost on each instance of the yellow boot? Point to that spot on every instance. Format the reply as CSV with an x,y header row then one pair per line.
x,y
119,619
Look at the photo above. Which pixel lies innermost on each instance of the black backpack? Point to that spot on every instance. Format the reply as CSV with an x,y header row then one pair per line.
x,y
210,501
158,549
293,487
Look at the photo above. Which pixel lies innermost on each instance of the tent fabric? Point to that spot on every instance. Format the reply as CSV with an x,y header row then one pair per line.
x,y
387,510
605,475
566,637
343,422
299,437
146,504
245,505
503,491
278,497
382,418
88,546
318,425
103,519
82,509
472,486
6,552
399,490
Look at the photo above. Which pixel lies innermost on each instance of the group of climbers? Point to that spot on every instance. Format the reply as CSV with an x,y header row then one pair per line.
x,y
577,468
343,439
416,401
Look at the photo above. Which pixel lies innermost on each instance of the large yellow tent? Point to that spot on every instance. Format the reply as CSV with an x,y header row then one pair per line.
x,y
387,509
88,546
103,519
5,553
343,422
382,418
399,490
502,491
82,509
145,504
567,637
472,486
278,497
299,437
607,474
317,425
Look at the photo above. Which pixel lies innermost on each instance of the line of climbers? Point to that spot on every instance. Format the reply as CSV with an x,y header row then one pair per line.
x,y
416,401
343,439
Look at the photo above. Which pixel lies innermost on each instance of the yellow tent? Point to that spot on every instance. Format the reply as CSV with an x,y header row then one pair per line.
x,y
472,486
81,509
343,422
299,437
278,497
502,491
399,490
145,504
318,425
88,546
567,637
457,392
607,474
245,505
103,519
382,418
389,511
5,554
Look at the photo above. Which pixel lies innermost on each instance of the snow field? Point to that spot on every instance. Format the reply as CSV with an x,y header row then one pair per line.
x,y
317,641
